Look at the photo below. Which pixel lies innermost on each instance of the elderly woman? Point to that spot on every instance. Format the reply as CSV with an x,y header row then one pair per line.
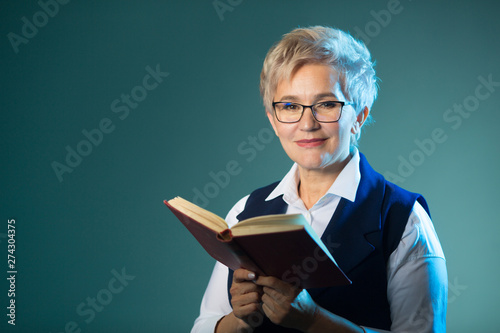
x,y
318,85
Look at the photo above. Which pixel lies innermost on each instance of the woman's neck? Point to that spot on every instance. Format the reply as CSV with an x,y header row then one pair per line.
x,y
313,184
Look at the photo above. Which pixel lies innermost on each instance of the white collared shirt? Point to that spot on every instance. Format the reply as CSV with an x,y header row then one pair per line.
x,y
416,270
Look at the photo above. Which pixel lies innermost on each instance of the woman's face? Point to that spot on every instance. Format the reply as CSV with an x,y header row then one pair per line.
x,y
311,144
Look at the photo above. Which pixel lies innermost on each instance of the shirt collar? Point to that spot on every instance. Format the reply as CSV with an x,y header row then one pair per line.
x,y
345,186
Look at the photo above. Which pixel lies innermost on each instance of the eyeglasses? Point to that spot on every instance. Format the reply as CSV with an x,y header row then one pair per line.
x,y
323,112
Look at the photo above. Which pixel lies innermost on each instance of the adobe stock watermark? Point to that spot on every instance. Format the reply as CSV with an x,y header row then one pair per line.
x,y
219,180
48,10
454,117
455,290
121,107
296,274
222,6
89,308
309,265
381,19
424,317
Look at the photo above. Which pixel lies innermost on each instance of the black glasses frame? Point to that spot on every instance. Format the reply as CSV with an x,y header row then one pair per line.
x,y
312,110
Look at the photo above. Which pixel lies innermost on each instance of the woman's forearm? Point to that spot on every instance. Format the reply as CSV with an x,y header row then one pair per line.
x,y
325,321
231,324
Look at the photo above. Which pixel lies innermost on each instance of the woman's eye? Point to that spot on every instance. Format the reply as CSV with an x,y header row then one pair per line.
x,y
290,107
328,105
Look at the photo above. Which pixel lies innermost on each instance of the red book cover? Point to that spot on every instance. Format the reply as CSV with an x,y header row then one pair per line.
x,y
295,256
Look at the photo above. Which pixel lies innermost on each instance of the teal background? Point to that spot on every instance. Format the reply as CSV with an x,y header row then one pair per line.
x,y
107,214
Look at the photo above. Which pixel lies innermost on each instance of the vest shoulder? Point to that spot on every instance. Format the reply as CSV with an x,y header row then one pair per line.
x,y
257,205
395,197
398,196
264,191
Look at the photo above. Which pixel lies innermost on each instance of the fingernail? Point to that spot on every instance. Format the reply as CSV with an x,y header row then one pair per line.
x,y
251,276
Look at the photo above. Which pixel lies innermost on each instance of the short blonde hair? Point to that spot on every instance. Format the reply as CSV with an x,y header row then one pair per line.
x,y
322,45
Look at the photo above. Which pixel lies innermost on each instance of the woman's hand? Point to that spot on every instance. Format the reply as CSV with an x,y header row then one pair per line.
x,y
284,304
287,305
246,298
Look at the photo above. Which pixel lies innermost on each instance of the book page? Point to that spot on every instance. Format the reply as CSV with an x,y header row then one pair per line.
x,y
264,229
275,219
276,223
199,214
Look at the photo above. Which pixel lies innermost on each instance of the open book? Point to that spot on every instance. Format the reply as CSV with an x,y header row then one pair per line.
x,y
284,246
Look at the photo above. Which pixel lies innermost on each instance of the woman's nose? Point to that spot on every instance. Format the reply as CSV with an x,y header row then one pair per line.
x,y
308,122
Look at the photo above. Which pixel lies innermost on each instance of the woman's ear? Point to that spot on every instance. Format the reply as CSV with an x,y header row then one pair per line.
x,y
360,120
272,120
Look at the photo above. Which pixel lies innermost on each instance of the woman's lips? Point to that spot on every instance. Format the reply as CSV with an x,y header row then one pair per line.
x,y
310,143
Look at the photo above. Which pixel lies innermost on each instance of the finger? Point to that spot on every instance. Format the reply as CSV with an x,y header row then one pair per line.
x,y
245,299
274,283
269,306
275,299
275,295
246,304
241,275
238,288
244,312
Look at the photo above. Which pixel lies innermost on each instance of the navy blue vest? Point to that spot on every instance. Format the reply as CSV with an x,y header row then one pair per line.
x,y
360,236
